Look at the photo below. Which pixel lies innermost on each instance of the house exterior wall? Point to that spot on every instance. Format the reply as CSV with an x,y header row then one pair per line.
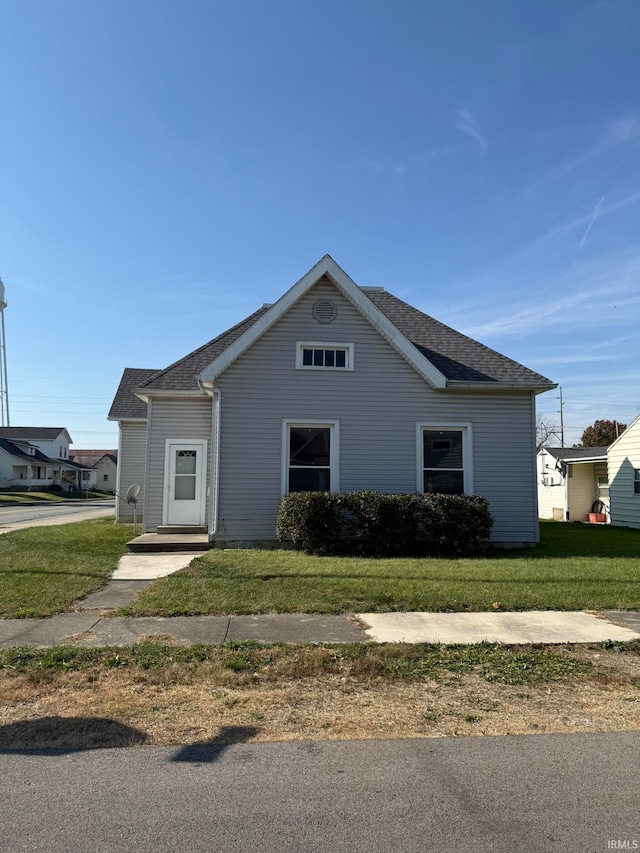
x,y
131,466
622,459
377,405
106,473
581,490
7,461
52,447
551,487
179,418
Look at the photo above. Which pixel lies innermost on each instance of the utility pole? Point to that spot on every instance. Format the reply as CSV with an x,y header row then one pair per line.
x,y
561,418
4,387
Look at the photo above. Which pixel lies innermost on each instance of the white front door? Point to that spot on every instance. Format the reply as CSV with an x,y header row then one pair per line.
x,y
185,477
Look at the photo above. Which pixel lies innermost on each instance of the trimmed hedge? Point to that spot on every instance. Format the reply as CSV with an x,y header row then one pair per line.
x,y
374,524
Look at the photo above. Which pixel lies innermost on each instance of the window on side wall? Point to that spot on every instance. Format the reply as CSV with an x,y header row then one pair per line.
x,y
310,457
444,454
636,481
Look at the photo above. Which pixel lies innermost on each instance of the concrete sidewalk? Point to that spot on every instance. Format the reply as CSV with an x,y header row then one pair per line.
x,y
94,628
93,624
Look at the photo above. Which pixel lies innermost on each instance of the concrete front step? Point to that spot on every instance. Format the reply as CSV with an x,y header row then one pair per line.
x,y
180,529
159,543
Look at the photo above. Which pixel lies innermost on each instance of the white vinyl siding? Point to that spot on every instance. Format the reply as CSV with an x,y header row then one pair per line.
x,y
132,451
624,464
181,419
378,406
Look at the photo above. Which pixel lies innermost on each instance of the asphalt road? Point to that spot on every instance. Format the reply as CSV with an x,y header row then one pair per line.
x,y
547,793
17,517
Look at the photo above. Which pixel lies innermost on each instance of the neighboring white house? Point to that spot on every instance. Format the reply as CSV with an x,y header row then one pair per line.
x,y
37,457
103,465
333,386
571,480
52,441
624,477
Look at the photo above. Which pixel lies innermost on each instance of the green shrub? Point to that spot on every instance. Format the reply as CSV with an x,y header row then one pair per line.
x,y
373,524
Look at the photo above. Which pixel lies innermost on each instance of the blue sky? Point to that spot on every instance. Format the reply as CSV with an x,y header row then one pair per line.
x,y
166,167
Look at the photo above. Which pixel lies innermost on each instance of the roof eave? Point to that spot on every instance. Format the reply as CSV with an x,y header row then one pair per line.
x,y
145,394
536,388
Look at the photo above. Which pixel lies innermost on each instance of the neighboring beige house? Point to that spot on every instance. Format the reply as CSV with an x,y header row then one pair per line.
x,y
572,482
103,465
624,477
333,387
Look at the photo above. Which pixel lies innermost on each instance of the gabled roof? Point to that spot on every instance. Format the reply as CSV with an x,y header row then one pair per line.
x,y
33,433
577,454
183,375
444,357
126,406
37,456
93,457
627,432
97,454
327,267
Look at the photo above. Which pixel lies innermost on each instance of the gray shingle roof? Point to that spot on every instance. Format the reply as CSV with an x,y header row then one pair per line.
x,y
125,403
576,454
181,375
25,433
36,456
458,357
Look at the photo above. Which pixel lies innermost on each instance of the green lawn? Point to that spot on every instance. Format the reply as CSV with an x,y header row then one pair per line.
x,y
43,570
575,567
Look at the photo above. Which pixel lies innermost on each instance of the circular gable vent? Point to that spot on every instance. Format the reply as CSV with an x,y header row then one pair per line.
x,y
325,311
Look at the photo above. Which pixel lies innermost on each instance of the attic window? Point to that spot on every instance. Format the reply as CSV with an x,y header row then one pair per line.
x,y
324,311
319,355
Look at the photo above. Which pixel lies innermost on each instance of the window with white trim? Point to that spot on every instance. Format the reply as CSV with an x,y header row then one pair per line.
x,y
310,456
602,487
324,355
444,454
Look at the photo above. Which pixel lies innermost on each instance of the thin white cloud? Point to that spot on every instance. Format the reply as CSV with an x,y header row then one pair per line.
x,y
594,216
619,131
466,123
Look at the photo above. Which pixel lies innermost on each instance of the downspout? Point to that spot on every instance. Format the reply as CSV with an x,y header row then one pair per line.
x,y
536,508
215,464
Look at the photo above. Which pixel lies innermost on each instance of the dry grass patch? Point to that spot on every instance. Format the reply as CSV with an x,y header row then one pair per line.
x,y
312,693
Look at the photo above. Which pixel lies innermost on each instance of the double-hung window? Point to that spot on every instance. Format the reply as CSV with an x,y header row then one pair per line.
x,y
444,454
636,481
310,456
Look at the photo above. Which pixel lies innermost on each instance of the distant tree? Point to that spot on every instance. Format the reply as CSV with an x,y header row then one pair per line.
x,y
547,431
601,434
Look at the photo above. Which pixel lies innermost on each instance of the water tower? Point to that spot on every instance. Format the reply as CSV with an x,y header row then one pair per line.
x,y
4,388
